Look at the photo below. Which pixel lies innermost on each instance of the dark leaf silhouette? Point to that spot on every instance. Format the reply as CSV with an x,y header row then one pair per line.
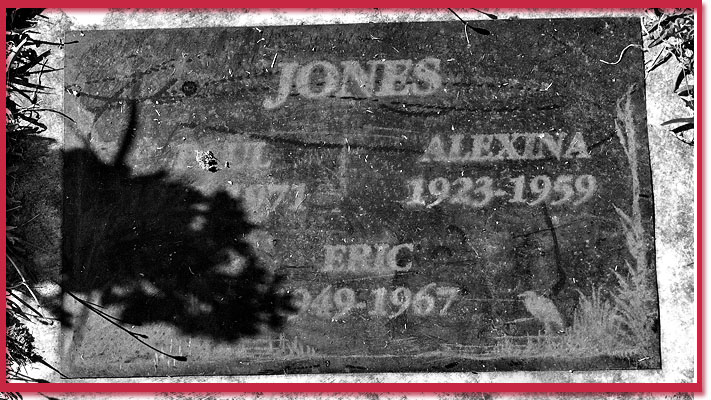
x,y
679,120
492,16
480,31
682,128
162,251
679,79
686,90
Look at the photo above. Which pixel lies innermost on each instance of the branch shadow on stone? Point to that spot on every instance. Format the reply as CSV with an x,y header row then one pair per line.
x,y
163,252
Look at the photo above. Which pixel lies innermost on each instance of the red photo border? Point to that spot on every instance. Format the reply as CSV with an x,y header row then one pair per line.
x,y
696,387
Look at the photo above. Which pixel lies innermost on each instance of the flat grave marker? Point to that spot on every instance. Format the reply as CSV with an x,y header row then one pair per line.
x,y
358,198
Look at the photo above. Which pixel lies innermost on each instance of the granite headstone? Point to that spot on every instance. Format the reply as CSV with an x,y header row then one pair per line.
x,y
352,198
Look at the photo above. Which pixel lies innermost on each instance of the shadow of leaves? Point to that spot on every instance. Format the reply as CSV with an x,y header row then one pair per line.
x,y
163,252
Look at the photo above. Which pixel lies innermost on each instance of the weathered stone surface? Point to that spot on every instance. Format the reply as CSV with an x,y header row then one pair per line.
x,y
359,198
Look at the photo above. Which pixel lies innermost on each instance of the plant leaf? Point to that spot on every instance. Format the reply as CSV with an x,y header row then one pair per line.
x,y
679,79
660,60
679,120
683,128
686,90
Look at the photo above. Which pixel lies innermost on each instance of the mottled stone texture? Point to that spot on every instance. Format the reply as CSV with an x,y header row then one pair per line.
x,y
672,174
471,208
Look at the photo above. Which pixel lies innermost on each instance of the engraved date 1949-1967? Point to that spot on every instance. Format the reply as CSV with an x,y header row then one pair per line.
x,y
481,191
386,303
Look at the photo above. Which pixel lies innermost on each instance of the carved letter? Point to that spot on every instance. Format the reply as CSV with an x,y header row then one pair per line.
x,y
434,151
395,75
358,257
426,73
335,258
553,146
455,151
481,147
392,257
577,146
530,152
330,82
287,74
364,81
379,263
507,148
258,161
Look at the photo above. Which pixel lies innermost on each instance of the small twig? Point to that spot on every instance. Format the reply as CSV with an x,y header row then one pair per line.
x,y
54,111
135,335
466,35
492,16
466,24
517,320
13,359
646,31
60,43
560,283
24,281
654,63
39,80
29,220
681,138
622,54
23,241
13,53
26,378
48,69
26,304
48,365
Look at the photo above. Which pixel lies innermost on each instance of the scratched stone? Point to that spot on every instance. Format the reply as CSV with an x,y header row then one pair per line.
x,y
358,198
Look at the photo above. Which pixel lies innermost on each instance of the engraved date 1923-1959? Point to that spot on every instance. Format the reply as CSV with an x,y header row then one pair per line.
x,y
336,304
479,192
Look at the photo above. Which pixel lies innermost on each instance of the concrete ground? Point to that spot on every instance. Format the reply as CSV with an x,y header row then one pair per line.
x,y
673,170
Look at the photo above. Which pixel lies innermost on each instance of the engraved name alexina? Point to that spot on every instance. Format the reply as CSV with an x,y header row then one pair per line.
x,y
496,147
355,79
